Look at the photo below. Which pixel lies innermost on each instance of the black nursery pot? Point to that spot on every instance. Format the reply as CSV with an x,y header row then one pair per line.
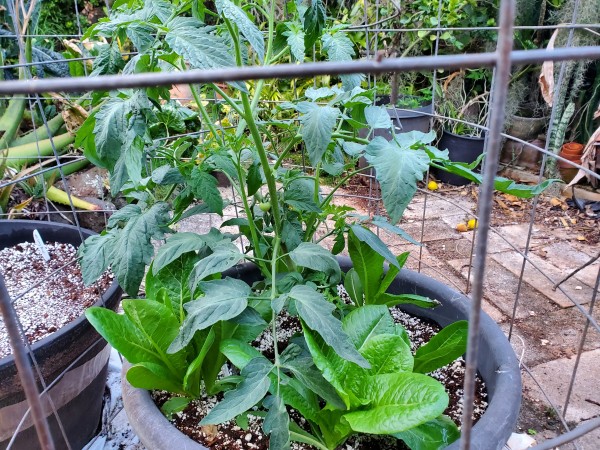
x,y
497,365
460,149
76,348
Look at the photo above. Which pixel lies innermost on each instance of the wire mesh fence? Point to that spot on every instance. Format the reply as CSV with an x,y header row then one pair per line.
x,y
545,308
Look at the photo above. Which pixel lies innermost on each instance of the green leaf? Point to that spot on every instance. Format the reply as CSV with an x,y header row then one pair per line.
x,y
191,380
353,286
141,35
249,325
391,300
316,258
318,123
171,282
368,265
295,39
392,272
314,22
108,61
239,352
176,245
251,390
204,186
277,424
109,130
339,47
159,325
166,175
174,405
300,194
387,353
378,117
223,300
316,312
123,335
443,348
382,223
254,179
146,375
436,434
198,44
367,322
95,253
224,257
372,240
398,402
398,169
250,31
305,371
133,249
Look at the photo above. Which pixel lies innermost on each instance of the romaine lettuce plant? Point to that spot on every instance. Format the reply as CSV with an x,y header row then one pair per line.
x,y
194,316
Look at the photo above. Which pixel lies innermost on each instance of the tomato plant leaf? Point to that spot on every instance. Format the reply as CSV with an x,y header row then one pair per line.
x,y
318,123
398,168
204,186
198,44
314,22
295,39
248,29
338,47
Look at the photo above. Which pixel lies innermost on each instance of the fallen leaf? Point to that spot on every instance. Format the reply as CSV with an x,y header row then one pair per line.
x,y
564,222
210,431
555,201
581,238
462,227
512,198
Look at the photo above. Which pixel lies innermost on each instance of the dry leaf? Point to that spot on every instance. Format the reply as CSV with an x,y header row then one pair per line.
x,y
581,238
512,198
555,201
588,160
210,431
546,79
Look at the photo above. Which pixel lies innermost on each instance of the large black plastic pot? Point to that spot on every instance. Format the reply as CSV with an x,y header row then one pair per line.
x,y
498,366
460,149
75,349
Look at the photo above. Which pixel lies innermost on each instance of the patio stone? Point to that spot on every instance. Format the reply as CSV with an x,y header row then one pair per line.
x,y
574,287
555,377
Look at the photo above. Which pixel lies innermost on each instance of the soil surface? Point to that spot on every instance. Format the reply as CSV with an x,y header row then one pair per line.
x,y
46,295
241,436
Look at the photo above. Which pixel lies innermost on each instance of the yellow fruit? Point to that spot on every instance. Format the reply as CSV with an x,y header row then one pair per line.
x,y
462,227
432,186
472,224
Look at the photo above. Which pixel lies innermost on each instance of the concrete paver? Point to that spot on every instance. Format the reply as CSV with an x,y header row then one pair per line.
x,y
574,287
555,376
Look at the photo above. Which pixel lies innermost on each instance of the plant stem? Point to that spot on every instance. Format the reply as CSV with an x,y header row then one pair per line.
x,y
293,141
204,114
250,216
273,314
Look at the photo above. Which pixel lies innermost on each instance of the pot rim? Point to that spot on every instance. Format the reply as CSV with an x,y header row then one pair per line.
x,y
112,290
503,407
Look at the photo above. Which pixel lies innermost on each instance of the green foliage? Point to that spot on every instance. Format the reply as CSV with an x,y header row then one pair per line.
x,y
197,315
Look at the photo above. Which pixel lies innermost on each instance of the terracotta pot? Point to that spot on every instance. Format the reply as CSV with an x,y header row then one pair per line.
x,y
572,149
566,169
